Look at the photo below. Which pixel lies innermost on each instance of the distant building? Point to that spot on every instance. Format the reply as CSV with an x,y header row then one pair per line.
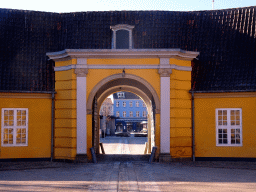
x,y
107,121
130,111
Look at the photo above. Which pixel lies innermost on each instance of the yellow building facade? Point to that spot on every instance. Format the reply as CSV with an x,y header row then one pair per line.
x,y
84,78
241,141
25,125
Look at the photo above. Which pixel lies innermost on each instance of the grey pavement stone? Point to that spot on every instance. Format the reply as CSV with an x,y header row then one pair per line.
x,y
129,176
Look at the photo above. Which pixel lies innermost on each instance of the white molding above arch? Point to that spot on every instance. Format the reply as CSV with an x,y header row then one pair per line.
x,y
120,76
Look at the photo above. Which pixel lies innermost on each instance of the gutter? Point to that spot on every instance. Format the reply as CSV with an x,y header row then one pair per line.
x,y
17,91
225,91
52,126
193,127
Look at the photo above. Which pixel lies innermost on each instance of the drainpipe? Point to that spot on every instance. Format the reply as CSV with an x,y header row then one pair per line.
x,y
193,127
52,126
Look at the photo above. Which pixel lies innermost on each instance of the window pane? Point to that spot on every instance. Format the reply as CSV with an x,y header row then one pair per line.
x,y
122,39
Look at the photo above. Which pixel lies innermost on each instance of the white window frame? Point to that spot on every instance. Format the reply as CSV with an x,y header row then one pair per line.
x,y
131,114
117,114
15,127
130,103
230,125
117,104
144,113
124,104
124,113
137,104
126,27
137,114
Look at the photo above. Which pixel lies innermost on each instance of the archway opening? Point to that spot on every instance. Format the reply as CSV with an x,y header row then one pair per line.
x,y
123,127
130,84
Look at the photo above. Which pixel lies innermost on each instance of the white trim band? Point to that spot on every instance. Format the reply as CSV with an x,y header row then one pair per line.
x,y
80,66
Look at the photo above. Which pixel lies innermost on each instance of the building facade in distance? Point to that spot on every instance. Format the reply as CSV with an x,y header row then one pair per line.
x,y
130,112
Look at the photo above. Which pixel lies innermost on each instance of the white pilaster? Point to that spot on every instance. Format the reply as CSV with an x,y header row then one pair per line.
x,y
165,72
81,111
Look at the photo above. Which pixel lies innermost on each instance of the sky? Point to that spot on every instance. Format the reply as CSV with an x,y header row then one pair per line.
x,y
63,6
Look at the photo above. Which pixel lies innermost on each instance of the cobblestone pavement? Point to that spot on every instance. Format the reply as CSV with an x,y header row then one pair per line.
x,y
128,176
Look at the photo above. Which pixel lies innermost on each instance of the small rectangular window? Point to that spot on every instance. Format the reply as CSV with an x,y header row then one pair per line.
x,y
131,114
130,103
117,104
137,113
14,127
229,127
124,104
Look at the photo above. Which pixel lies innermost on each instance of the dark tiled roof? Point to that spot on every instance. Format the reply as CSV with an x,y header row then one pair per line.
x,y
224,38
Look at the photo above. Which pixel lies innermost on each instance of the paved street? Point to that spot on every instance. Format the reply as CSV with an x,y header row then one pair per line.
x,y
124,145
127,175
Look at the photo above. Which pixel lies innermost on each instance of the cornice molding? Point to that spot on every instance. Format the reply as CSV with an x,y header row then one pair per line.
x,y
224,95
120,66
26,95
81,72
122,26
165,72
123,53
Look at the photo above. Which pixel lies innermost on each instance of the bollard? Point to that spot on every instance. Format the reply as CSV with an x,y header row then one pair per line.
x,y
94,159
152,156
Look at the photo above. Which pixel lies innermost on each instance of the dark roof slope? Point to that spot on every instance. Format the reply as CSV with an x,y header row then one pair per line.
x,y
224,38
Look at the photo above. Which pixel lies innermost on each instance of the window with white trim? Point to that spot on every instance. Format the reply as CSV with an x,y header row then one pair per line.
x,y
137,113
137,104
131,114
122,36
14,127
130,103
117,104
229,127
144,113
124,104
124,113
117,114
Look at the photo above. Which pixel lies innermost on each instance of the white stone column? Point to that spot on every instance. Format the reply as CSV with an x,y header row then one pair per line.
x,y
81,139
165,72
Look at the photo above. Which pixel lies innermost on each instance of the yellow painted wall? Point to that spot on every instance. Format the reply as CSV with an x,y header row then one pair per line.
x,y
65,113
39,127
180,112
205,128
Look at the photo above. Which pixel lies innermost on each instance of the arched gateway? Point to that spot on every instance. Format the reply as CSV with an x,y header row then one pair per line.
x,y
84,78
